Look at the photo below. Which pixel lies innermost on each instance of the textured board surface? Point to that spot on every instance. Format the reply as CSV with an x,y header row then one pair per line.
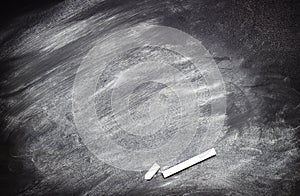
x,y
44,151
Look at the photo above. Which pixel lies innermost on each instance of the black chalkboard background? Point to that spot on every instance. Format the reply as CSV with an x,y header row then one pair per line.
x,y
254,43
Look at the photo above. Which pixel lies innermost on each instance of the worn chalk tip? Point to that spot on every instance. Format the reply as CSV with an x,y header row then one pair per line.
x,y
152,171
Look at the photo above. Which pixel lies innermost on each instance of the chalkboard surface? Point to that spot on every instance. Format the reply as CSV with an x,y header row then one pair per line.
x,y
91,89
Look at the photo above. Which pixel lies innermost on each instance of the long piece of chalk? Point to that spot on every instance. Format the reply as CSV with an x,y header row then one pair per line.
x,y
152,171
188,163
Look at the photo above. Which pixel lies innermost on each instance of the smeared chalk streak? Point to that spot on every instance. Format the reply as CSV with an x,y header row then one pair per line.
x,y
190,162
152,171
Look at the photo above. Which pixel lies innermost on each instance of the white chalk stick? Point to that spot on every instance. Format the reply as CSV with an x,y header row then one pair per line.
x,y
188,163
152,171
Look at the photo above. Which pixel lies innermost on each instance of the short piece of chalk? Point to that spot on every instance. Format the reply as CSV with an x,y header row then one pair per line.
x,y
188,163
152,171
